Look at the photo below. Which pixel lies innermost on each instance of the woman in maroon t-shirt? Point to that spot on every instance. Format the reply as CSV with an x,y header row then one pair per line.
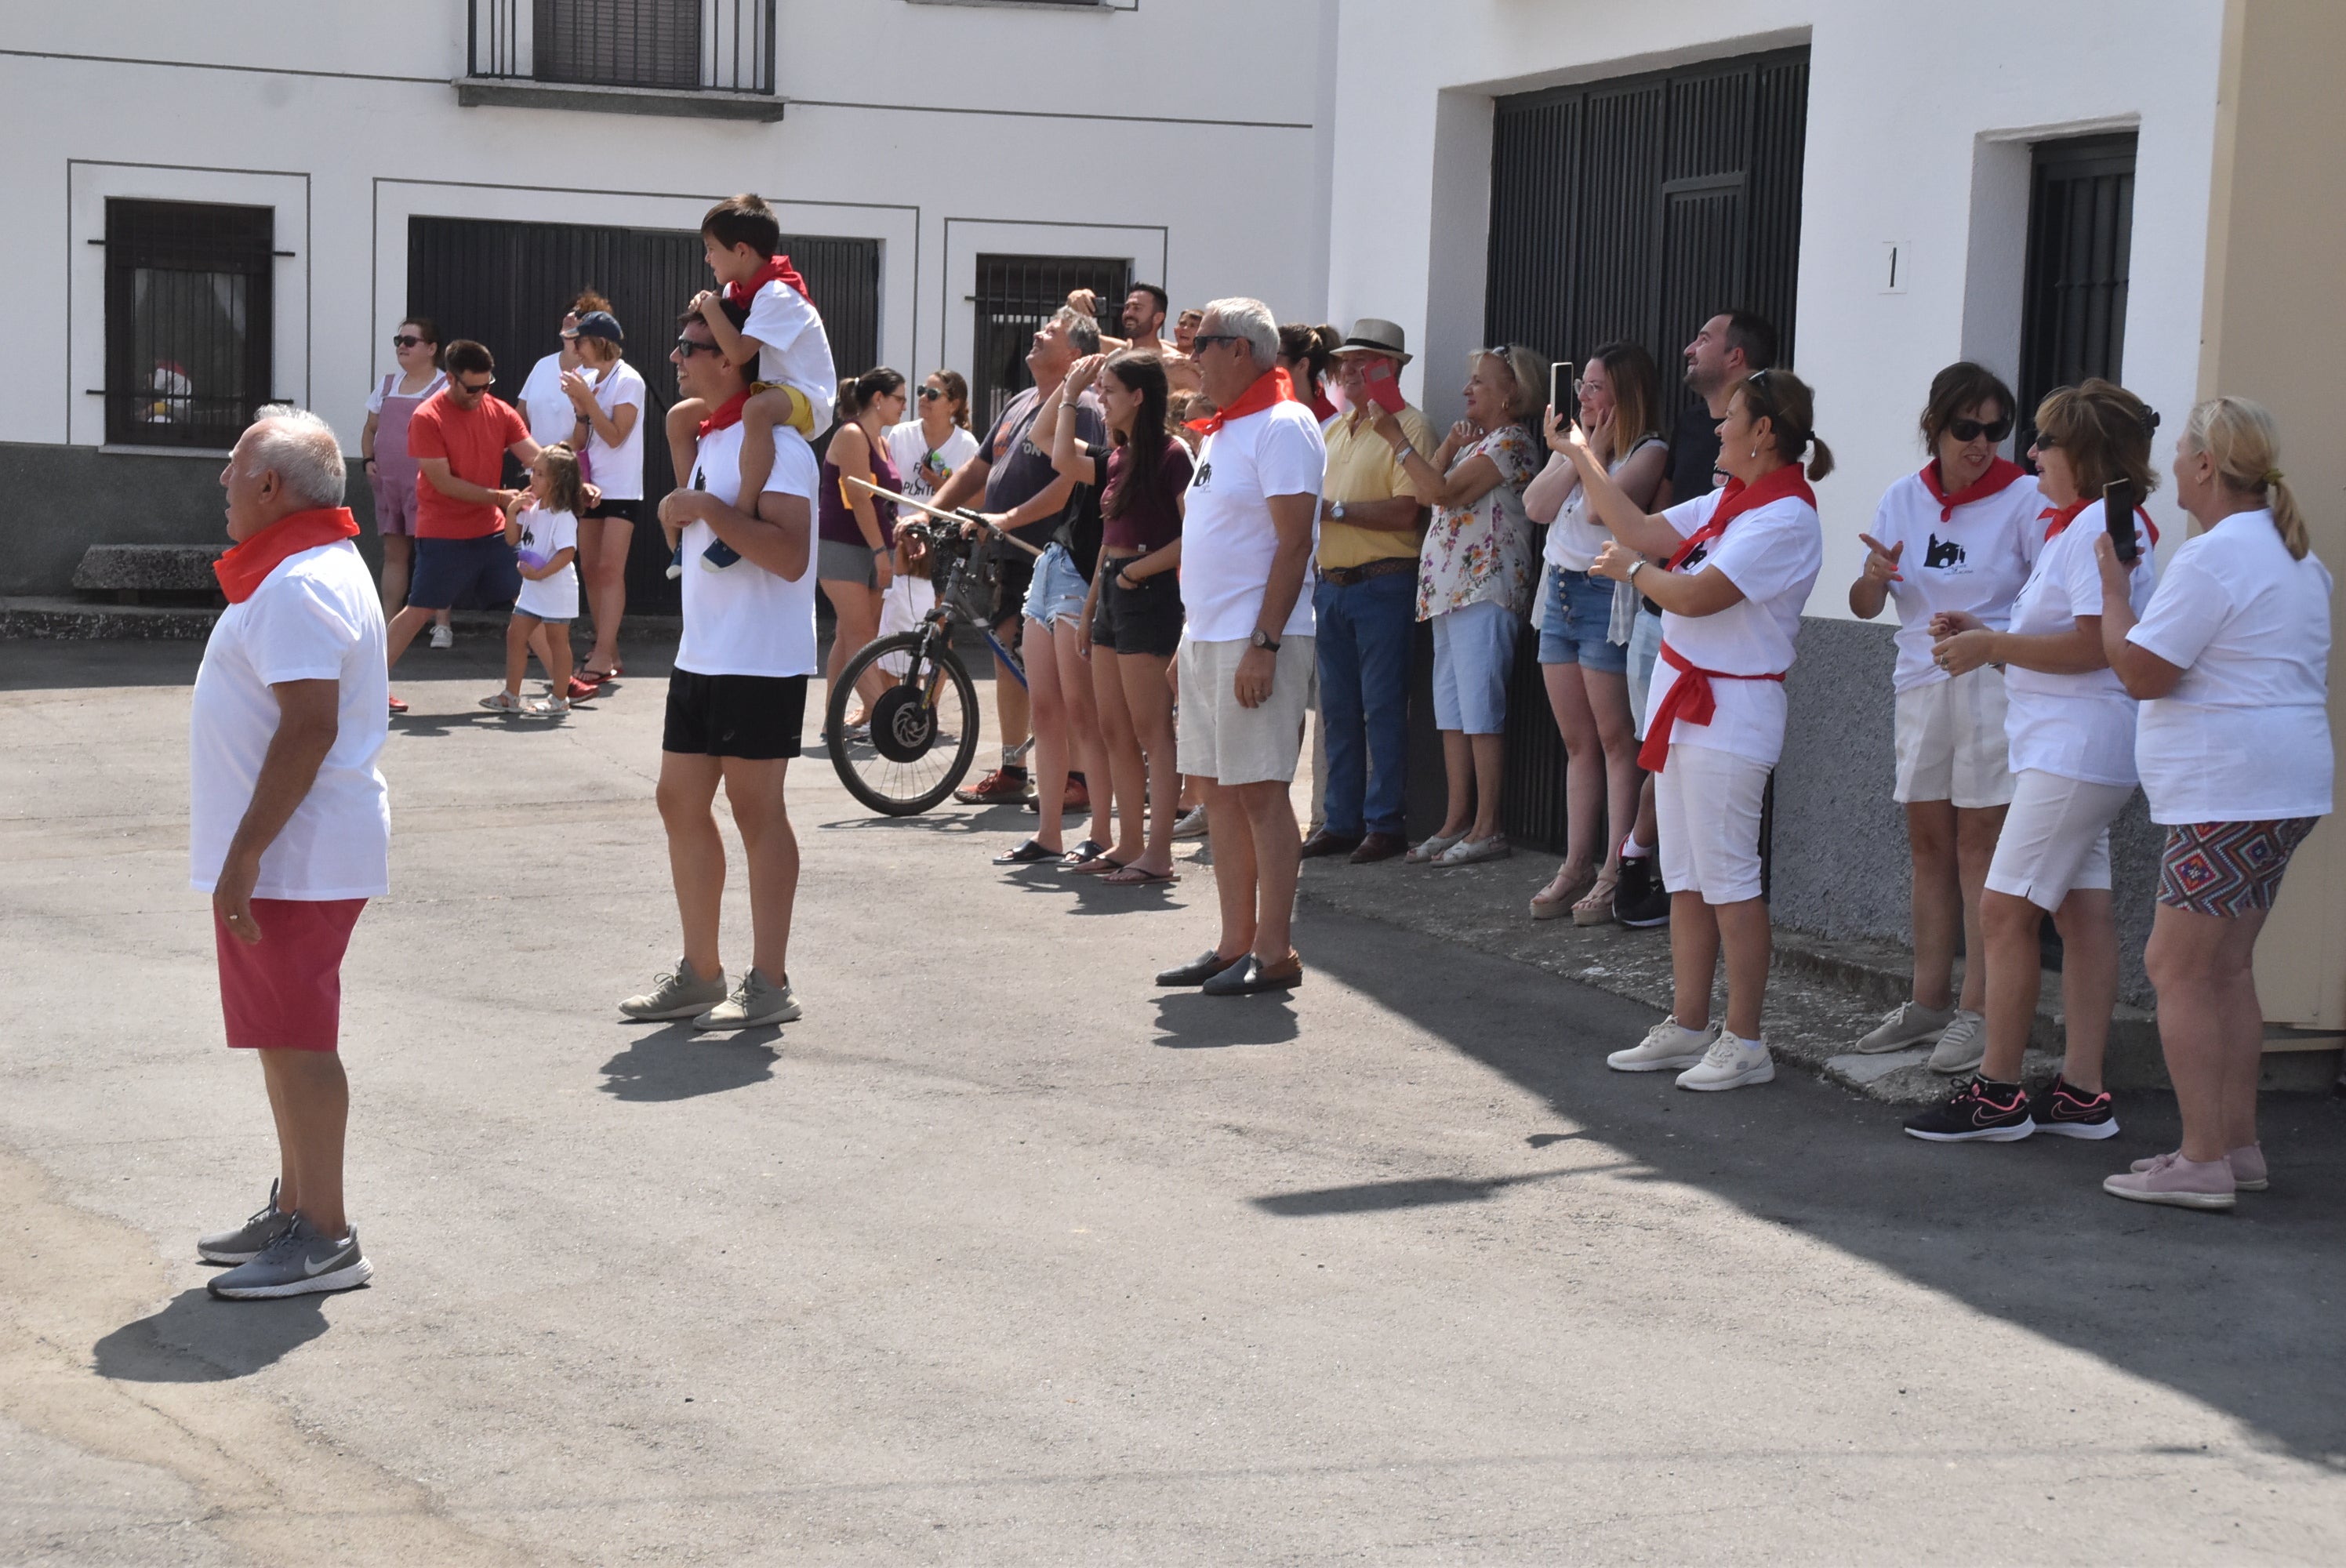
x,y
1135,607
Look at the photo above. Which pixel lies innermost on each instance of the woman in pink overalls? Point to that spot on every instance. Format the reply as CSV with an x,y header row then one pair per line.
x,y
391,473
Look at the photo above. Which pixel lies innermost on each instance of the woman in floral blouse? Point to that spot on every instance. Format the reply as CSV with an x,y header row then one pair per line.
x,y
1475,584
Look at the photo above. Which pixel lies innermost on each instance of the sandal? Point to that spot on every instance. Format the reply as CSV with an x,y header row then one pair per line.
x,y
1560,897
1136,876
1425,853
1029,853
1597,909
502,702
1084,854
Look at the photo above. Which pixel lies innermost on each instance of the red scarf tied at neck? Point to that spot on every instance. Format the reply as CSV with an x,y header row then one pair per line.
x,y
1271,387
2056,519
729,413
2000,474
1736,498
777,270
246,565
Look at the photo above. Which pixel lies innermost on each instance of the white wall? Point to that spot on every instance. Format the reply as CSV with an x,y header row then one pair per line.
x,y
940,130
1918,120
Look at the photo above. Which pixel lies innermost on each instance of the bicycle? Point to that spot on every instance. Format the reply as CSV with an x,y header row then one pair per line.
x,y
922,732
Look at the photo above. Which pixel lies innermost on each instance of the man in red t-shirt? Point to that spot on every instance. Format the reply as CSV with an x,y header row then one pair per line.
x,y
459,439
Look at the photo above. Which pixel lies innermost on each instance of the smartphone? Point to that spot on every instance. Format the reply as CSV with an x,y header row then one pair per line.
x,y
1559,388
1385,388
2118,502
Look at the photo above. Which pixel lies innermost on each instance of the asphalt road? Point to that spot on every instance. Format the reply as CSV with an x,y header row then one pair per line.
x,y
1001,1256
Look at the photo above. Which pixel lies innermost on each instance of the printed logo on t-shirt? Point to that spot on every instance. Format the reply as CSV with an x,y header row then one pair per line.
x,y
1203,477
1945,555
1695,557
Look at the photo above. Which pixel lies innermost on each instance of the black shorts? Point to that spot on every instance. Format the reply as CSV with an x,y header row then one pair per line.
x,y
756,718
632,510
1145,619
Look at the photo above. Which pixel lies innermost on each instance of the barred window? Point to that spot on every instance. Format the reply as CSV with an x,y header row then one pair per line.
x,y
188,312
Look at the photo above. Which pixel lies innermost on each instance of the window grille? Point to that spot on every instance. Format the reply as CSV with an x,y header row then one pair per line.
x,y
1015,295
188,317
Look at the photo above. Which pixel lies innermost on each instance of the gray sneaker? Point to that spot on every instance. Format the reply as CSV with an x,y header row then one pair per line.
x,y
1963,1046
243,1244
679,993
1909,1023
300,1262
755,1000
1192,824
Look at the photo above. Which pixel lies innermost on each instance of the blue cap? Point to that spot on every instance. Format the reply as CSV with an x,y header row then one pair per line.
x,y
601,324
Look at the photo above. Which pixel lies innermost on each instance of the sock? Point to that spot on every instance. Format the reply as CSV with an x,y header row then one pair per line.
x,y
1010,763
1633,851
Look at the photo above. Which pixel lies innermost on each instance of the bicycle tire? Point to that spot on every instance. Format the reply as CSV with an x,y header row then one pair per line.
x,y
886,784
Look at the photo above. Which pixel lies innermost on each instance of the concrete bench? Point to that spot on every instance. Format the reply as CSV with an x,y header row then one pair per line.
x,y
129,571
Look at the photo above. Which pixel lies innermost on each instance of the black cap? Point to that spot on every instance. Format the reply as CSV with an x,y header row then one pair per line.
x,y
601,324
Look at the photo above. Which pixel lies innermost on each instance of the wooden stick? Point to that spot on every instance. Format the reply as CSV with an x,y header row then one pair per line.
x,y
940,511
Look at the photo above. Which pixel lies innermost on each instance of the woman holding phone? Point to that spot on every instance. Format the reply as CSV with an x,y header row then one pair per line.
x,y
1731,571
1585,621
2232,664
2070,724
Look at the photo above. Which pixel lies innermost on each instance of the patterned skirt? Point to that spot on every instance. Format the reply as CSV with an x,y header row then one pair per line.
x,y
2226,869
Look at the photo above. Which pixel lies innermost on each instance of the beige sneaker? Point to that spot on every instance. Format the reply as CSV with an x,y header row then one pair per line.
x,y
755,1000
679,993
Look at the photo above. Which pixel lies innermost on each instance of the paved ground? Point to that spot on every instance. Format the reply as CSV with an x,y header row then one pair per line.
x,y
1002,1256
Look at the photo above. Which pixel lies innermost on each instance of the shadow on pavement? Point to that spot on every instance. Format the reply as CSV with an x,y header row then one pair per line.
x,y
2241,1311
197,1339
35,663
1191,1020
679,1062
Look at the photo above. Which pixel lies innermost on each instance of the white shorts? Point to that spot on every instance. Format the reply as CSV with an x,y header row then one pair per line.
x,y
1707,803
1950,741
2056,839
1218,739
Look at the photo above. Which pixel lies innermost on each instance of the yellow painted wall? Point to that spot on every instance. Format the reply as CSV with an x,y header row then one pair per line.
x,y
2274,329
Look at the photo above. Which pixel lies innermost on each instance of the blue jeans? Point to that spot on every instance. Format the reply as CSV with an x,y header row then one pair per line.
x,y
1366,632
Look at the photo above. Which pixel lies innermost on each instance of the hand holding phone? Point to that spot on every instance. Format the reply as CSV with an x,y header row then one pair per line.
x,y
1384,387
2118,502
1559,387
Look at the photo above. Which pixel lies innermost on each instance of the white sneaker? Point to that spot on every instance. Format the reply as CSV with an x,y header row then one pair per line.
x,y
1666,1048
1908,1024
1963,1045
1730,1063
443,636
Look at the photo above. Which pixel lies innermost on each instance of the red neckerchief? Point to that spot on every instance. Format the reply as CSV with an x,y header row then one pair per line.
x,y
2062,516
729,413
2000,474
1736,498
1271,387
1323,408
1690,698
245,566
777,270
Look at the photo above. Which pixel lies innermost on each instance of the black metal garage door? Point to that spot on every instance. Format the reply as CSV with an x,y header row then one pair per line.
x,y
1636,207
506,284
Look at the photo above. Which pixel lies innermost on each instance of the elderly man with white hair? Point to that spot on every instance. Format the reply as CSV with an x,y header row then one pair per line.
x,y
292,827
1251,517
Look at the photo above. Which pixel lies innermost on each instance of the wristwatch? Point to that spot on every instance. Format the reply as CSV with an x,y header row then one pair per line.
x,y
1631,574
1262,640
1336,512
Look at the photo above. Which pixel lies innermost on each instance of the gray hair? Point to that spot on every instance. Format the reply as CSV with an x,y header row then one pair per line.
x,y
299,448
1082,329
1250,320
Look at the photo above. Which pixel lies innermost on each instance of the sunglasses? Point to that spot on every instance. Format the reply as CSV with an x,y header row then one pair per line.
x,y
688,347
407,341
2043,443
930,394
1971,429
1204,340
474,389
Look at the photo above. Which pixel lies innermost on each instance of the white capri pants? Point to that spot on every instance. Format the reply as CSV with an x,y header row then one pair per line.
x,y
1708,804
1950,741
2056,839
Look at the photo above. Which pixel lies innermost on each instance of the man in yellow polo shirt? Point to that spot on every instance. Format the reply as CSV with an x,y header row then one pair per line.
x,y
1371,517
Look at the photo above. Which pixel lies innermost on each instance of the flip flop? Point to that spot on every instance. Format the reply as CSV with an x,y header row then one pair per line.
x,y
1029,853
1136,876
1098,866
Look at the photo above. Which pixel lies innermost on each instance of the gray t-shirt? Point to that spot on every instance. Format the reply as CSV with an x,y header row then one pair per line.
x,y
1018,470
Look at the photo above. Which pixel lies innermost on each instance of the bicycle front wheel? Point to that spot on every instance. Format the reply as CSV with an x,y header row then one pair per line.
x,y
922,733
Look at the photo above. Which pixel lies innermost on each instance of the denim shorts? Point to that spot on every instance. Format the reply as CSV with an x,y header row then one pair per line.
x,y
1572,628
1059,590
1473,655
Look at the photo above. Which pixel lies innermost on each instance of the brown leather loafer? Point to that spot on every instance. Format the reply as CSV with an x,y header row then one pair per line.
x,y
1324,842
1380,847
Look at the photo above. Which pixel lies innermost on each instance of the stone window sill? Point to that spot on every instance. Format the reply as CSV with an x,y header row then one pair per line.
x,y
509,92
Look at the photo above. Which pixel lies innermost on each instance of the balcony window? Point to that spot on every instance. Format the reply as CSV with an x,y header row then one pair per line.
x,y
656,45
188,313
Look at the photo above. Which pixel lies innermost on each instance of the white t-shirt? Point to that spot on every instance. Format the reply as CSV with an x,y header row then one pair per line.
x,y
1228,541
318,617
618,471
545,406
1575,536
544,535
2245,734
382,389
1974,561
742,619
908,447
1772,552
2073,726
794,350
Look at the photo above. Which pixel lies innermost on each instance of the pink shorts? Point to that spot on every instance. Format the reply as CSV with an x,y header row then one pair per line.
x,y
284,992
394,505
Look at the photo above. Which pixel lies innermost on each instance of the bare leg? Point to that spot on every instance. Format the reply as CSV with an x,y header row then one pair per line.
x,y
858,624
607,585
754,791
1648,830
2244,1023
1012,712
1743,932
552,645
1049,712
1125,771
1458,773
1083,749
2015,972
1584,773
1976,831
402,632
1277,850
2088,923
1490,754
1938,900
1616,733
695,853
1694,959
1149,699
1233,839
313,1101
518,633
288,1180
398,568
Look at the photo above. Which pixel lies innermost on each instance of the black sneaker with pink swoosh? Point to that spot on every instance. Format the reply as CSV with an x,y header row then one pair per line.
x,y
1982,1111
2067,1111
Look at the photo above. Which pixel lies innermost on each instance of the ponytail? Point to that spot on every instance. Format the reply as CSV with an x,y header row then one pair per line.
x,y
2243,441
1821,458
1789,407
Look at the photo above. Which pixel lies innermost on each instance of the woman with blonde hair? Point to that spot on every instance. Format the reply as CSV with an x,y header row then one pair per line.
x,y
2230,661
1734,570
2070,725
1474,584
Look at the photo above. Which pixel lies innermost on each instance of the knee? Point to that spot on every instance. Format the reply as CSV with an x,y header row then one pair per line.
x,y
2004,917
1931,841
